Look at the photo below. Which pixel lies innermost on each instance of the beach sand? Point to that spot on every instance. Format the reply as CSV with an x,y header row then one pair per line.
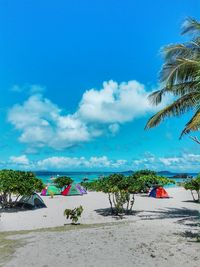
x,y
161,232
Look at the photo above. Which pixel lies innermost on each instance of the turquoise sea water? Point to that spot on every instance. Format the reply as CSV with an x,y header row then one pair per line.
x,y
76,176
47,177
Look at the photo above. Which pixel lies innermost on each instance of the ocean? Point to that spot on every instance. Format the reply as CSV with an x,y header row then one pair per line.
x,y
47,177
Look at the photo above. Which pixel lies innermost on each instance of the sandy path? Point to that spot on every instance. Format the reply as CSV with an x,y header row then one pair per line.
x,y
141,243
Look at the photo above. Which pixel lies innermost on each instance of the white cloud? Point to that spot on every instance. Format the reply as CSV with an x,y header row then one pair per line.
x,y
43,124
115,103
64,163
183,163
170,161
20,160
30,89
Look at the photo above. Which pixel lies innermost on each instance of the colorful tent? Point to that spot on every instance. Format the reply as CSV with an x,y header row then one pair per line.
x,y
158,192
50,189
71,190
81,189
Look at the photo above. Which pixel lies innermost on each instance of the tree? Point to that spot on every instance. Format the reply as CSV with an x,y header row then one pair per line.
x,y
18,183
143,180
63,181
193,185
180,76
121,189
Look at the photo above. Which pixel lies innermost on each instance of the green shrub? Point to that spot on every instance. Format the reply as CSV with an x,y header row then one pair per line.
x,y
121,189
194,186
63,181
73,214
17,183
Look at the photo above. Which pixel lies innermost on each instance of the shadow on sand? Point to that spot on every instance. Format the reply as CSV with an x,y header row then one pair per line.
x,y
107,212
183,215
16,209
187,217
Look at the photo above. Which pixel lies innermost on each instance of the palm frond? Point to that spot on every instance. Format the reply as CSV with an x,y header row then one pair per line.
x,y
182,70
177,108
180,75
191,26
177,89
193,124
171,52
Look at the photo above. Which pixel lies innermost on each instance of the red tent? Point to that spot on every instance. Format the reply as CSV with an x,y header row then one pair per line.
x,y
159,192
66,190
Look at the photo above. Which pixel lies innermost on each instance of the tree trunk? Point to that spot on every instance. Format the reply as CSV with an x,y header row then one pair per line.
x,y
192,195
10,198
132,203
109,197
127,207
17,198
198,194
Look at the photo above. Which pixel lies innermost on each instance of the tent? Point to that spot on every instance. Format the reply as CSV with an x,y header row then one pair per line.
x,y
72,190
81,189
33,201
50,189
158,192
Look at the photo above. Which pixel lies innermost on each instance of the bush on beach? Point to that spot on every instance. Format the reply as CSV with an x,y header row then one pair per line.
x,y
194,186
18,183
122,189
73,214
62,181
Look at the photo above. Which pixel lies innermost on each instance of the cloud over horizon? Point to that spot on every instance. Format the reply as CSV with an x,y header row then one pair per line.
x,y
182,163
41,123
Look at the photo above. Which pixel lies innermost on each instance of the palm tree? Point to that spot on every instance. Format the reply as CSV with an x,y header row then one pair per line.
x,y
180,76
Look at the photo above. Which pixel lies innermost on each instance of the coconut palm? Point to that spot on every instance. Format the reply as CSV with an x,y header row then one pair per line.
x,y
180,76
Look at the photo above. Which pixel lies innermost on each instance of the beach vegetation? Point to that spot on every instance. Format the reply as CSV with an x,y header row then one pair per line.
x,y
51,193
180,77
121,189
146,179
73,214
62,181
194,186
17,183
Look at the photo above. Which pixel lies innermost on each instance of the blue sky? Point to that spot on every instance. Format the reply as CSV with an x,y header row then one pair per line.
x,y
74,80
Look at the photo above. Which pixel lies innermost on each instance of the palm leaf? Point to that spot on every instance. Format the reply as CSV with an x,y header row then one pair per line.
x,y
182,70
180,76
193,124
177,90
180,106
171,52
191,25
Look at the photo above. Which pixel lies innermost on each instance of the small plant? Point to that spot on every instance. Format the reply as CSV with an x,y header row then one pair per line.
x,y
194,186
51,194
73,214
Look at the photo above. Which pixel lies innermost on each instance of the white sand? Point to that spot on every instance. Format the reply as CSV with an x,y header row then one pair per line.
x,y
53,214
154,236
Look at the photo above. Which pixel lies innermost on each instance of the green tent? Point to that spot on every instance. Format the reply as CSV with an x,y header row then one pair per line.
x,y
53,189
